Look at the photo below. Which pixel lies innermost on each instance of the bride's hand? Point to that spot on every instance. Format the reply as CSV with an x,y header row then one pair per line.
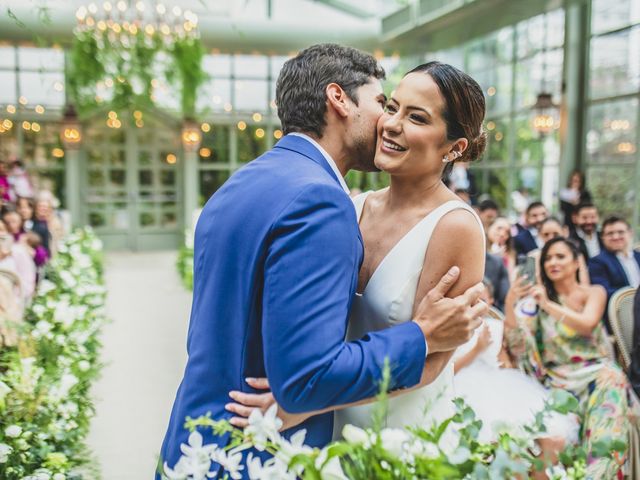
x,y
245,403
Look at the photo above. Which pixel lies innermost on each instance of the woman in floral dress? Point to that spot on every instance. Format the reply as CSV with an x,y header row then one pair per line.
x,y
562,344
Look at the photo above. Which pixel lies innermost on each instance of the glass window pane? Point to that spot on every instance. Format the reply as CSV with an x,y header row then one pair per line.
x,y
217,65
276,66
607,15
215,145
214,95
251,144
8,93
615,63
40,88
529,150
210,181
492,181
611,135
255,66
498,148
251,95
7,57
41,58
530,34
619,200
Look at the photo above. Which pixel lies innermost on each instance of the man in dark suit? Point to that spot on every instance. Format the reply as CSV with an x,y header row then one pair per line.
x,y
496,272
617,265
528,239
634,368
585,231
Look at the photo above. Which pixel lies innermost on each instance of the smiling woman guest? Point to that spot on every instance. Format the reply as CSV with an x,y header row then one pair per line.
x,y
564,347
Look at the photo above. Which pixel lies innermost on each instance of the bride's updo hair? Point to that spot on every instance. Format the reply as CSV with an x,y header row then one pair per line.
x,y
464,106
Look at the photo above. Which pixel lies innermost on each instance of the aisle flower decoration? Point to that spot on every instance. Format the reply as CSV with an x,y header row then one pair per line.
x,y
45,381
449,450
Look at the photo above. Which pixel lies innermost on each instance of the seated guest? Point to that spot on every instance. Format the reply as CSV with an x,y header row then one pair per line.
x,y
15,257
528,239
617,265
634,368
563,345
46,218
500,243
552,228
496,272
25,207
488,211
572,196
585,230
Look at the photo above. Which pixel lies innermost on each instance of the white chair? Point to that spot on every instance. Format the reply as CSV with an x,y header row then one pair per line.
x,y
621,321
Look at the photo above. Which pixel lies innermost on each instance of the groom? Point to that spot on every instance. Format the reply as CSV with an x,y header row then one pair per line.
x,y
277,254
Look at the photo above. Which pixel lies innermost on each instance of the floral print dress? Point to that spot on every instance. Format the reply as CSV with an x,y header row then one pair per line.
x,y
561,358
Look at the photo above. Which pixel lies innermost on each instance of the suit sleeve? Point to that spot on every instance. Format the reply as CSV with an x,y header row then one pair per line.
x,y
599,275
308,280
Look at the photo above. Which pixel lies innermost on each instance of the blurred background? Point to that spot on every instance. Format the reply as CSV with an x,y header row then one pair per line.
x,y
162,101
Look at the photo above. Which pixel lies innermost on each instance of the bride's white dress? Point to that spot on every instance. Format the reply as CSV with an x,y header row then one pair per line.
x,y
388,300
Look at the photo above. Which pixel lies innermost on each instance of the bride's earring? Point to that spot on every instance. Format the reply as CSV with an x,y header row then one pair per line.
x,y
445,159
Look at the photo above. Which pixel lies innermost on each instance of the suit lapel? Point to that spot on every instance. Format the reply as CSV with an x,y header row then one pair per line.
x,y
306,148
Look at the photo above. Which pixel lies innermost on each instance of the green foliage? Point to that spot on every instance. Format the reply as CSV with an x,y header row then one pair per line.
x,y
45,380
184,262
93,60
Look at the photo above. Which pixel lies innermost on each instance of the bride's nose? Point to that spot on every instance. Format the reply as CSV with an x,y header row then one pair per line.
x,y
392,124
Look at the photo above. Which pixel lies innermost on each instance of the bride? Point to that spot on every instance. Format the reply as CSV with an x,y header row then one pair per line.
x,y
414,231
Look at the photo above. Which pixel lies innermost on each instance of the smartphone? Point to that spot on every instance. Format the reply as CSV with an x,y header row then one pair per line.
x,y
527,267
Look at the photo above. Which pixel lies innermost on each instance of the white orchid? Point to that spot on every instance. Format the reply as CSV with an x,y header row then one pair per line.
x,y
271,469
231,461
394,440
195,462
356,435
264,428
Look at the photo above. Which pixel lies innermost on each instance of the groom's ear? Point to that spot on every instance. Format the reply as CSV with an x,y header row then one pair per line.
x,y
337,100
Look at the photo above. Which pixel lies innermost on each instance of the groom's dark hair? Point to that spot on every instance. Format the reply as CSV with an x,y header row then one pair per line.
x,y
300,90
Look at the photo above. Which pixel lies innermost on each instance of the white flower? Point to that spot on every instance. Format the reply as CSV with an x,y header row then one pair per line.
x,y
355,435
39,309
394,440
13,431
42,328
59,476
272,469
61,389
5,451
230,461
4,390
46,286
264,427
330,470
195,462
83,365
64,314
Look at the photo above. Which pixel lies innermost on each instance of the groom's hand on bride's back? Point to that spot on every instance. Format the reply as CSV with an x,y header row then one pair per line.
x,y
449,322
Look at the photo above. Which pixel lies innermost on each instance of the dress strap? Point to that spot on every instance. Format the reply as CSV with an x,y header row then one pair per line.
x,y
358,202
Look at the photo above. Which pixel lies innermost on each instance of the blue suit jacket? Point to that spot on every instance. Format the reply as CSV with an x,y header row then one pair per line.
x,y
277,254
605,269
524,242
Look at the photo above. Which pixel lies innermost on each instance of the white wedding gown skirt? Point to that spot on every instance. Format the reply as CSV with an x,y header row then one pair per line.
x,y
387,301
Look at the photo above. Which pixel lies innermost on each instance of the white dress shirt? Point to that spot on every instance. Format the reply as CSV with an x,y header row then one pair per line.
x,y
592,243
327,157
631,267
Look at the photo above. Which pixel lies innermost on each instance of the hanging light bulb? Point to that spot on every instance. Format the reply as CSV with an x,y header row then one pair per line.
x,y
545,118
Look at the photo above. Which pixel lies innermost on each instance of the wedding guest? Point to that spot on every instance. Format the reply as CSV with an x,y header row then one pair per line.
x,y
585,230
488,211
5,187
501,243
15,257
25,207
46,217
552,228
14,223
19,180
496,273
32,240
634,368
563,345
617,265
572,196
528,239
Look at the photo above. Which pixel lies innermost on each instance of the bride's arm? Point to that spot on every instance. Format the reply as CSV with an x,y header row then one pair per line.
x,y
458,240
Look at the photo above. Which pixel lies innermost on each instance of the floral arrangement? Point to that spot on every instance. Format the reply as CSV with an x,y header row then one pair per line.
x,y
45,406
184,263
450,450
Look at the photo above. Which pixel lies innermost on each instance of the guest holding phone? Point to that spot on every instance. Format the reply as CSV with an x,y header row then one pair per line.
x,y
563,346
